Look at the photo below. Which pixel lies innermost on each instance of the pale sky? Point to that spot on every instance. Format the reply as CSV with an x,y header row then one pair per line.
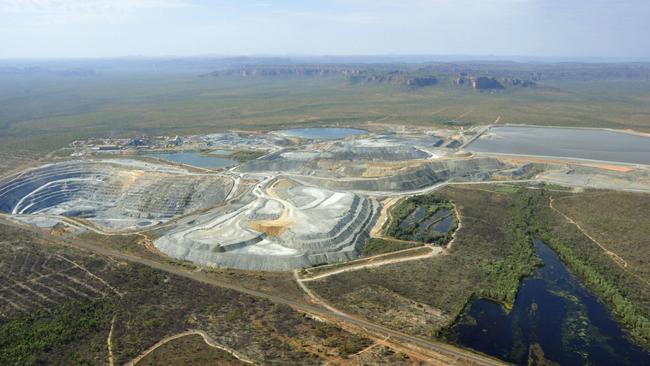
x,y
113,28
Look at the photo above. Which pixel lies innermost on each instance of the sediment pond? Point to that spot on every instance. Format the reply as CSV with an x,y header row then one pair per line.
x,y
592,144
323,132
553,316
195,158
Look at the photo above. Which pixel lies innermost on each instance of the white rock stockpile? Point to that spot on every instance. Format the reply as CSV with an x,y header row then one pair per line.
x,y
292,226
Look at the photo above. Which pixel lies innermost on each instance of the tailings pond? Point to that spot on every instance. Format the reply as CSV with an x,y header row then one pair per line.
x,y
325,133
592,144
552,314
195,158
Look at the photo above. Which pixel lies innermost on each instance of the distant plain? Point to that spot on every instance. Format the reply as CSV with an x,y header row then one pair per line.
x,y
42,113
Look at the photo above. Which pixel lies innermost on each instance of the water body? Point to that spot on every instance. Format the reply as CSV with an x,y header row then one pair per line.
x,y
325,133
194,158
565,143
444,225
554,311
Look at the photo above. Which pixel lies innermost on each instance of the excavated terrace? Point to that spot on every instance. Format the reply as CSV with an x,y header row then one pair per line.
x,y
305,202
287,226
112,194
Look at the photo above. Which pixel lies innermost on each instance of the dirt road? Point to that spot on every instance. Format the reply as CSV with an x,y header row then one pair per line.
x,y
373,261
206,338
433,251
615,257
322,312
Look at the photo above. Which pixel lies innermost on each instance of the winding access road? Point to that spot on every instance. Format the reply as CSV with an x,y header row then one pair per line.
x,y
322,311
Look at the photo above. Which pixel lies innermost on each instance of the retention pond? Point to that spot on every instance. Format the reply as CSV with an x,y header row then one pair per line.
x,y
195,158
572,143
554,318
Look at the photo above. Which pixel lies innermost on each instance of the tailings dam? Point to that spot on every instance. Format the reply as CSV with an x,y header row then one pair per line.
x,y
571,143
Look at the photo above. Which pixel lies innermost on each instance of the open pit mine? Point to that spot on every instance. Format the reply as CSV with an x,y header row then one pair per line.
x,y
116,194
291,202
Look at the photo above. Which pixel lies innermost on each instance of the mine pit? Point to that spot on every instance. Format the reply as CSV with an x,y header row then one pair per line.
x,y
112,194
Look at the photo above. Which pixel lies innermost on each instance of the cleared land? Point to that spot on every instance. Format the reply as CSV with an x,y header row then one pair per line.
x,y
287,226
115,194
376,246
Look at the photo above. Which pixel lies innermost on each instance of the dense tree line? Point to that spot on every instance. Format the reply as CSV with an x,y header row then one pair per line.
x,y
599,274
633,316
520,259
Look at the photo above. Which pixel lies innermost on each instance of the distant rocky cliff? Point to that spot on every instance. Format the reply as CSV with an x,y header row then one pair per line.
x,y
351,74
413,78
491,83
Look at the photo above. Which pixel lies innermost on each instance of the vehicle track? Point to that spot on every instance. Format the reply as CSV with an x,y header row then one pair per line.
x,y
109,343
617,259
371,263
432,253
330,314
206,338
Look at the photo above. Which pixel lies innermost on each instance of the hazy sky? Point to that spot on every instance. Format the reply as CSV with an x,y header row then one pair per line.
x,y
99,28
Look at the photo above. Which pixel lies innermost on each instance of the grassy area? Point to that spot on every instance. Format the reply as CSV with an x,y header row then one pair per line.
x,y
618,220
491,253
375,246
623,289
383,355
244,156
190,349
44,113
73,328
317,270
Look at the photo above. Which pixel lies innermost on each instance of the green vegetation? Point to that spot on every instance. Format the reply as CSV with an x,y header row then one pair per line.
x,y
507,188
382,355
536,357
623,290
375,246
345,345
76,330
240,156
618,220
244,156
493,252
44,113
153,305
489,257
190,349
316,270
417,219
